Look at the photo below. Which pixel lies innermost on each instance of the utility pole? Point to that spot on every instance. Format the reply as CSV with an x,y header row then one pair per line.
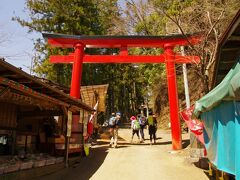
x,y
185,79
186,89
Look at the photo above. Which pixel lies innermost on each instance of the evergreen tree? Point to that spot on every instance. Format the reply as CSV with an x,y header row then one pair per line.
x,y
81,17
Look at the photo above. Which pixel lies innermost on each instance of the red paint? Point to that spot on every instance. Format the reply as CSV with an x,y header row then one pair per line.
x,y
90,128
123,51
124,59
118,42
77,71
173,98
123,43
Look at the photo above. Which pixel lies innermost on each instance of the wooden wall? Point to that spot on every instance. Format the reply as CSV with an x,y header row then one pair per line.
x,y
8,115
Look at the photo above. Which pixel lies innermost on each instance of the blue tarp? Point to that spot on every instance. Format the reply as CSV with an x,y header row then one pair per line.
x,y
219,110
222,136
228,89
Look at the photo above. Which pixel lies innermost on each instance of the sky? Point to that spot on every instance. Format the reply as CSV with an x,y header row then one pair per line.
x,y
16,44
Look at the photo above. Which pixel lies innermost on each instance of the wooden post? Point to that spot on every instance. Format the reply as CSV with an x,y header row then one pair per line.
x,y
65,118
83,141
25,146
13,141
66,150
210,172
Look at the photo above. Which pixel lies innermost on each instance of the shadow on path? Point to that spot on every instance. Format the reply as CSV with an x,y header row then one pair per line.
x,y
123,144
83,169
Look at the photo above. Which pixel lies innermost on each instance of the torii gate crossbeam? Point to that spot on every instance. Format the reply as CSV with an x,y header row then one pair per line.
x,y
168,43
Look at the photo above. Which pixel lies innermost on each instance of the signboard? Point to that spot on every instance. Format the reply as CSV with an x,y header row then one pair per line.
x,y
85,122
69,124
81,116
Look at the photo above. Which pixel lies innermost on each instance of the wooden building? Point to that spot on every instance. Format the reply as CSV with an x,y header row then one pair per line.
x,y
36,117
228,50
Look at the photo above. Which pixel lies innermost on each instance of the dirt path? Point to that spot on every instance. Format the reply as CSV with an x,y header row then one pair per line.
x,y
133,162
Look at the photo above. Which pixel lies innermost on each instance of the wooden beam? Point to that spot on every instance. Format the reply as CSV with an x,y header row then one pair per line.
x,y
223,71
10,75
40,113
124,59
62,59
234,38
24,81
30,92
2,72
230,49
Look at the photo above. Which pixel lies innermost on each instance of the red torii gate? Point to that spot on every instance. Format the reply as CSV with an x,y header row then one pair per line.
x,y
123,43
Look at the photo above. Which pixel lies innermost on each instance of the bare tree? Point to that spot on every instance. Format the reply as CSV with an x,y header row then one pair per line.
x,y
154,17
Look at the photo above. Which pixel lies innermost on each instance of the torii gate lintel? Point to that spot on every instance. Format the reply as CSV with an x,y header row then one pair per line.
x,y
123,42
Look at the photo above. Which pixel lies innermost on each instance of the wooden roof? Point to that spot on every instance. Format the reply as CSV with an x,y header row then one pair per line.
x,y
90,95
13,74
228,50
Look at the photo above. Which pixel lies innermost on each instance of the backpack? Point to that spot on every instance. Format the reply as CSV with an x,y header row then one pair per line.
x,y
136,125
150,121
112,121
142,121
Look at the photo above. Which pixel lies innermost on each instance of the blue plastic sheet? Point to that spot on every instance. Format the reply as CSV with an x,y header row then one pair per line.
x,y
222,136
228,89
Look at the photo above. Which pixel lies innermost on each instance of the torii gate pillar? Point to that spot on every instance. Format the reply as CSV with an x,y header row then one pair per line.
x,y
173,98
77,71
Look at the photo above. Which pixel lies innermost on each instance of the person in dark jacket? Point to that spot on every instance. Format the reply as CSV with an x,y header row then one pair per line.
x,y
142,122
152,127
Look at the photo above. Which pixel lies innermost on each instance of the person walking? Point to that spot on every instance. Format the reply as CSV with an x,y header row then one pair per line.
x,y
135,126
142,122
152,127
113,125
115,132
